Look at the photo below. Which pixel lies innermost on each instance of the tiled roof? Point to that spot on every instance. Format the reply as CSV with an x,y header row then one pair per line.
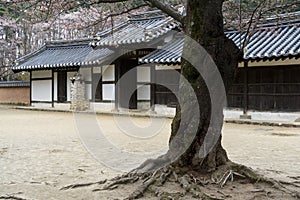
x,y
170,53
140,28
61,56
14,84
267,42
270,42
136,31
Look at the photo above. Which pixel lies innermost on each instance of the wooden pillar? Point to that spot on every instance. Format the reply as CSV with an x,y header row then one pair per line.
x,y
93,86
30,91
246,93
245,87
117,78
52,91
153,87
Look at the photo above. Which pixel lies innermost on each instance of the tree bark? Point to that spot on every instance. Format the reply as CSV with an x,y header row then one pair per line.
x,y
204,24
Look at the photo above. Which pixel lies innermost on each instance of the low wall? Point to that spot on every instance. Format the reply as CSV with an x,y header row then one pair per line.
x,y
15,93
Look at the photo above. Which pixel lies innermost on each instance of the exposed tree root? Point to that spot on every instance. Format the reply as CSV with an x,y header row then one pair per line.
x,y
73,186
247,173
141,189
294,183
113,184
191,184
227,175
191,187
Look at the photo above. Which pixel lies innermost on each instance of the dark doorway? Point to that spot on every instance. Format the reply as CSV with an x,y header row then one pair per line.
x,y
130,84
97,87
61,86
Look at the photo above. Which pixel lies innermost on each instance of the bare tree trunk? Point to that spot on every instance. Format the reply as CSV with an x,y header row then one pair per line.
x,y
204,24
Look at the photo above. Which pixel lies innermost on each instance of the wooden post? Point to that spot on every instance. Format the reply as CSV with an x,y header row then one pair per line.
x,y
52,84
30,91
117,77
245,87
93,86
246,93
153,88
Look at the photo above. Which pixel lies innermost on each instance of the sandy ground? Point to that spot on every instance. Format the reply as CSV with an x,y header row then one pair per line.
x,y
40,152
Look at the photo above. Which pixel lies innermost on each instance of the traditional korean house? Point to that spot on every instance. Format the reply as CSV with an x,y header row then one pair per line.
x,y
99,63
148,45
267,78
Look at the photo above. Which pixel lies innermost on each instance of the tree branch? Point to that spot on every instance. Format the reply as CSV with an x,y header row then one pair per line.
x,y
168,10
247,38
156,3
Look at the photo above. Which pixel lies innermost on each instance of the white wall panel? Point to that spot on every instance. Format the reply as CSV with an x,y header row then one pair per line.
x,y
41,90
143,74
108,73
41,74
88,91
143,92
97,70
86,73
108,92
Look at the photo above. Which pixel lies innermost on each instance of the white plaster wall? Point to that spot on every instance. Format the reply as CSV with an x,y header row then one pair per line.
x,y
86,73
143,92
69,75
143,74
41,74
41,90
55,86
97,70
108,92
88,91
108,73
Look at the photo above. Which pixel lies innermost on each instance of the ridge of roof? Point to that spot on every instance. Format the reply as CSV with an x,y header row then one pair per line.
x,y
125,23
71,42
147,14
136,17
272,25
274,21
135,31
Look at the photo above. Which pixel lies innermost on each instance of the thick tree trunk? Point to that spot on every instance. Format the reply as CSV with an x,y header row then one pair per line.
x,y
204,24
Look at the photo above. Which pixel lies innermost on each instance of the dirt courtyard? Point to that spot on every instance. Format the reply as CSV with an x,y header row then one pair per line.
x,y
40,152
